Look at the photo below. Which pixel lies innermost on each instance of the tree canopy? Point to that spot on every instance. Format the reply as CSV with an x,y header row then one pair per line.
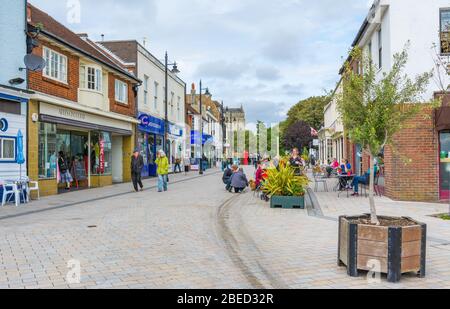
x,y
298,135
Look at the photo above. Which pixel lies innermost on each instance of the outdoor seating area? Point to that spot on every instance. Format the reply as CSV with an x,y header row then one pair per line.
x,y
17,191
345,182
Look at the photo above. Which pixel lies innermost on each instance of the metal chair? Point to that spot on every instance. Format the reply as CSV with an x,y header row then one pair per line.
x,y
320,178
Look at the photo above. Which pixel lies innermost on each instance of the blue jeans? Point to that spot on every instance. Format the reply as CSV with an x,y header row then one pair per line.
x,y
162,183
359,179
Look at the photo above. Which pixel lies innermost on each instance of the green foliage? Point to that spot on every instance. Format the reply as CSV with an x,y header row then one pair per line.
x,y
309,110
282,181
445,217
305,154
373,108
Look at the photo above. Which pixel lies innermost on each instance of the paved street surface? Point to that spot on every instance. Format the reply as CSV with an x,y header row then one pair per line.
x,y
197,235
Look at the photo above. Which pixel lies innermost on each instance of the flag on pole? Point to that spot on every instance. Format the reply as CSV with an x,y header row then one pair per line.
x,y
314,132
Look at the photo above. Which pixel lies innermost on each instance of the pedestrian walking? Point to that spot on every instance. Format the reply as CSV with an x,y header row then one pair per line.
x,y
137,164
177,165
162,170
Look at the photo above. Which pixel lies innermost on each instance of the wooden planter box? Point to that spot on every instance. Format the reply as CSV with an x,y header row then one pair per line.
x,y
398,249
287,202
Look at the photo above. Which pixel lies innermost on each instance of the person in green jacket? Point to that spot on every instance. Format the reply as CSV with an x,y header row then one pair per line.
x,y
163,170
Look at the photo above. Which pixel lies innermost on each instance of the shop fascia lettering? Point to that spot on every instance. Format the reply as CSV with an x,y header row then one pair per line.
x,y
71,114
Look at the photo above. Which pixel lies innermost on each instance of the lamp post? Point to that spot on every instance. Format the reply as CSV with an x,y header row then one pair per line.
x,y
201,126
166,95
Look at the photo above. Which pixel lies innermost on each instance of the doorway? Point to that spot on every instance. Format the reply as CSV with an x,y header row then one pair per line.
x,y
117,159
444,158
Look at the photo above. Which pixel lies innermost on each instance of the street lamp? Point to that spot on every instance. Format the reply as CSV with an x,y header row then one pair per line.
x,y
201,126
166,94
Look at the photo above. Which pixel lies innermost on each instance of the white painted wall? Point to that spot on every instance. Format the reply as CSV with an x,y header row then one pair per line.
x,y
415,20
92,98
149,66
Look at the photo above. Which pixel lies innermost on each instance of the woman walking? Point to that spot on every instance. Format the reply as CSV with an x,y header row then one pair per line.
x,y
163,171
64,173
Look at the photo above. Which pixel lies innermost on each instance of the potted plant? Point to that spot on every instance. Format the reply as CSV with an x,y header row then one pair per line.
x,y
373,109
286,190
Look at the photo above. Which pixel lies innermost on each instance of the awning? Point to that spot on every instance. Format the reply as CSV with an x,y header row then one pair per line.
x,y
442,117
84,125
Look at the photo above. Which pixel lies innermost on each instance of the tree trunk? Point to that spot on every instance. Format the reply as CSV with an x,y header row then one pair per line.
x,y
373,210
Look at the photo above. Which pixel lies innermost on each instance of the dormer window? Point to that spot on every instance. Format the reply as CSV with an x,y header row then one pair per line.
x,y
91,78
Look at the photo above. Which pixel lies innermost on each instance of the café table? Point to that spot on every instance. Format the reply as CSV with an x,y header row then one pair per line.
x,y
347,179
22,186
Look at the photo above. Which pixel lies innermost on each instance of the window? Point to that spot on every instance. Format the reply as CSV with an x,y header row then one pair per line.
x,y
445,31
56,67
145,89
121,92
91,78
171,103
48,157
179,108
101,153
155,99
10,107
380,49
7,149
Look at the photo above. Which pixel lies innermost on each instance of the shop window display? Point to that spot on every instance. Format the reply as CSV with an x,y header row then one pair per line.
x,y
47,151
101,153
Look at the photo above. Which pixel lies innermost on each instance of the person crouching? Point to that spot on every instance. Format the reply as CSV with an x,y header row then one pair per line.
x,y
238,180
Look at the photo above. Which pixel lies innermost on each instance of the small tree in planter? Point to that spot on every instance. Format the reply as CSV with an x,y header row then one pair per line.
x,y
285,189
373,109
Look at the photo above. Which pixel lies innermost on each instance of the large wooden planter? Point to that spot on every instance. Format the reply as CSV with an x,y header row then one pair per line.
x,y
399,250
287,202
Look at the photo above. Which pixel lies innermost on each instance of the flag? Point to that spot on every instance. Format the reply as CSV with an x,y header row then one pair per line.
x,y
314,132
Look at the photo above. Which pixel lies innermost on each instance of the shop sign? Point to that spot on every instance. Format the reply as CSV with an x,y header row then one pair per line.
x,y
102,156
175,130
3,125
150,124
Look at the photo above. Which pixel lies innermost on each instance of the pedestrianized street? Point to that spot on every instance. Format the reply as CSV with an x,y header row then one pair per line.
x,y
197,235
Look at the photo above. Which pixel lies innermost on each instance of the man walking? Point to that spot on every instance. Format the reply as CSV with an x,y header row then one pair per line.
x,y
137,163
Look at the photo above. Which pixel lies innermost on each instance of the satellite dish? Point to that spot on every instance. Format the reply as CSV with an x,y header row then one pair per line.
x,y
34,63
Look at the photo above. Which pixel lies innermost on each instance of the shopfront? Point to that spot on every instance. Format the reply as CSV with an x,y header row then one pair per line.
x,y
12,121
175,145
91,144
442,118
150,141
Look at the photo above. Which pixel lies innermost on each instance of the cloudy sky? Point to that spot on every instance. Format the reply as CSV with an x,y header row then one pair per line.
x,y
263,54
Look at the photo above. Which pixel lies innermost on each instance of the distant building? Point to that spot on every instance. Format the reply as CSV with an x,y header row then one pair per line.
x,y
235,124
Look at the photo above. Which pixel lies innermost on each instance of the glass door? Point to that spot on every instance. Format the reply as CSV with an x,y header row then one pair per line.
x,y
444,158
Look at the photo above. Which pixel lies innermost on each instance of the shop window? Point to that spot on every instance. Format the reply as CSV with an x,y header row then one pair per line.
x,y
47,151
10,107
101,153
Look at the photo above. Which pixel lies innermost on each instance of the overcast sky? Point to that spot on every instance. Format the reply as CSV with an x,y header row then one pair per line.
x,y
263,54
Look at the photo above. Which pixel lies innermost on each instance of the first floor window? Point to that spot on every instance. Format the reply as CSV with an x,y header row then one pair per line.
x,y
121,91
91,78
56,67
7,149
445,31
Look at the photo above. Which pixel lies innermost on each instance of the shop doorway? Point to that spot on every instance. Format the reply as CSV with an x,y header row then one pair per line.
x,y
444,158
117,162
73,146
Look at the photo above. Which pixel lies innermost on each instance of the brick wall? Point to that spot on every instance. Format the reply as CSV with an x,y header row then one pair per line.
x,y
117,107
49,86
411,165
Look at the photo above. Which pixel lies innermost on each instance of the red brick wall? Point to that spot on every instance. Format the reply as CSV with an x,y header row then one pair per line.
x,y
48,86
117,107
412,166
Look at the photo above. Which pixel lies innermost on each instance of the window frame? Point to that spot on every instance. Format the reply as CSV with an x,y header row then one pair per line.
x,y
146,81
58,70
117,91
155,97
9,138
97,81
380,48
441,32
